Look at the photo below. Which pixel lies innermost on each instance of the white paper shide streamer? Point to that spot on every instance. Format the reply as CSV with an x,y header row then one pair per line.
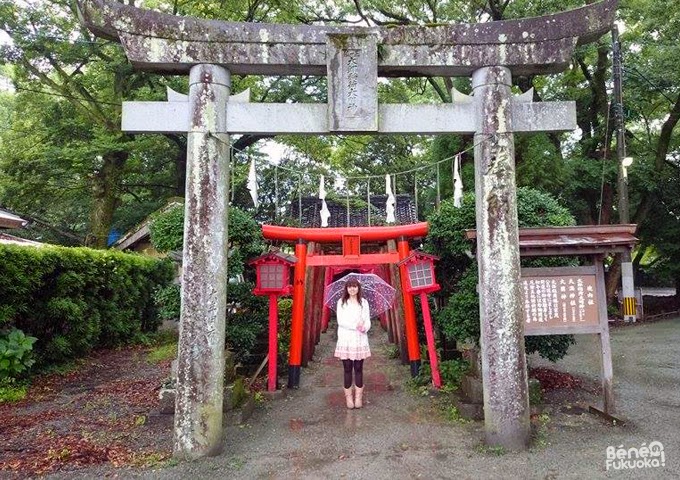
x,y
325,213
457,184
252,183
389,205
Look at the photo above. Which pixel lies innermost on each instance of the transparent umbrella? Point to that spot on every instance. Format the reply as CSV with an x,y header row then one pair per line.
x,y
378,293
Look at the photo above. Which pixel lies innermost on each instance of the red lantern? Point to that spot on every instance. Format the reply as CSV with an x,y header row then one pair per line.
x,y
420,267
273,273
273,279
421,280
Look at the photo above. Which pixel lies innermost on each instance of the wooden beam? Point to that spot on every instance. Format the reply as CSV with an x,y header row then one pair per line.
x,y
364,259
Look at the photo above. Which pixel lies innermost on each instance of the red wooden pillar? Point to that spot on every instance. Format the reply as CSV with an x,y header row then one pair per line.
x,y
297,321
273,342
411,327
320,283
397,313
382,273
326,316
308,323
429,334
314,294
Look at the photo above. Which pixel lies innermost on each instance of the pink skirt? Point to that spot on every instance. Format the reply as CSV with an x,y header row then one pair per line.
x,y
352,352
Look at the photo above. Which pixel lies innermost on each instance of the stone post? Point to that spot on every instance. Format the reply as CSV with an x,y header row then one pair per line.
x,y
504,373
200,374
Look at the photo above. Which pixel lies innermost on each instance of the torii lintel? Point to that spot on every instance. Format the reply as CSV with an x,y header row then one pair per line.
x,y
166,43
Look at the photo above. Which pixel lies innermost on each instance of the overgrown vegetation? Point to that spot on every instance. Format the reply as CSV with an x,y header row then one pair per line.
x,y
450,371
247,314
12,391
168,301
163,353
16,354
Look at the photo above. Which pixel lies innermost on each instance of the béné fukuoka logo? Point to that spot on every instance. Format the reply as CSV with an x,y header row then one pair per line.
x,y
645,456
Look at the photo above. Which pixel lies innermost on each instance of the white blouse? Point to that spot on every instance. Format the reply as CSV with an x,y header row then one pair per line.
x,y
353,344
351,313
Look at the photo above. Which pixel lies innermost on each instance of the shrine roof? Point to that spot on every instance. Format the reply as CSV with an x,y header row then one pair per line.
x,y
9,220
404,211
6,239
284,257
576,240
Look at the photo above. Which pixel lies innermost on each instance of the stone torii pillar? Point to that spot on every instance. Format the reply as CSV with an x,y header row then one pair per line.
x,y
504,373
200,377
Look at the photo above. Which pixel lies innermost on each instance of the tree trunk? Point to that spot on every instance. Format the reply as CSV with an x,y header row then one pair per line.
x,y
106,183
612,281
181,172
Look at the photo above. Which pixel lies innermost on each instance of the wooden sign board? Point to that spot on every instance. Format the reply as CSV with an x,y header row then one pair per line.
x,y
560,300
566,300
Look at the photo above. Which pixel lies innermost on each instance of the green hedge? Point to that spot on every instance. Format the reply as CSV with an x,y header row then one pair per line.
x,y
77,299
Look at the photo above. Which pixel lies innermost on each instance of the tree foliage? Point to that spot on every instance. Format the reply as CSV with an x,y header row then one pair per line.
x,y
64,160
457,272
247,314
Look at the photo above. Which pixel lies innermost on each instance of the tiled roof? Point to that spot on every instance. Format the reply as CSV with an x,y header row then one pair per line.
x,y
404,211
576,240
141,232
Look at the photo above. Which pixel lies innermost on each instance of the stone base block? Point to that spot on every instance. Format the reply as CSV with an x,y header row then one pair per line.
x,y
473,389
472,355
275,395
247,409
469,410
167,400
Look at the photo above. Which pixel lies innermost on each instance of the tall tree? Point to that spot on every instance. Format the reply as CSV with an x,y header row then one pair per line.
x,y
73,85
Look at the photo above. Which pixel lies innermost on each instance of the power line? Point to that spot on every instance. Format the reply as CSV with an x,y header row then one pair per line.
x,y
368,177
656,87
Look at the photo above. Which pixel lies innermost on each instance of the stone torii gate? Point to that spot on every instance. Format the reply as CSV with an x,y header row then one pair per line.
x,y
352,58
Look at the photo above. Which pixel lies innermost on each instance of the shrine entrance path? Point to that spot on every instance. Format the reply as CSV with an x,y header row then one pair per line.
x,y
309,434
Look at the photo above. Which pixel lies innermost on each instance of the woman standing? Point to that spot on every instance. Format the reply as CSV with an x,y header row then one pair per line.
x,y
352,348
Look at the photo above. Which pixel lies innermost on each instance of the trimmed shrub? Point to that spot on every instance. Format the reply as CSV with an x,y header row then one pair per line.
x,y
457,273
76,299
167,229
247,314
168,301
247,318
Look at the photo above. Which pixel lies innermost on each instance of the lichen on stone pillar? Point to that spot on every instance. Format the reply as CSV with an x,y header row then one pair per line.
x,y
200,374
506,401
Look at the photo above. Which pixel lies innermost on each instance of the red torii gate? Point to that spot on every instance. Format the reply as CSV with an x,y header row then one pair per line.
x,y
350,238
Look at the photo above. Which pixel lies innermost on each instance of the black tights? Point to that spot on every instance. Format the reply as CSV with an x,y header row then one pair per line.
x,y
358,367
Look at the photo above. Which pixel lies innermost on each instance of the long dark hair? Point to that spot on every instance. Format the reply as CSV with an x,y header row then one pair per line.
x,y
351,282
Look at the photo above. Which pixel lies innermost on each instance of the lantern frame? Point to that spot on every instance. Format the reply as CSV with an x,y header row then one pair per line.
x,y
265,279
426,262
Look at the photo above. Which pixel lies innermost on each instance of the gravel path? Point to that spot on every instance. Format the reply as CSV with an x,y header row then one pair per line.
x,y
309,434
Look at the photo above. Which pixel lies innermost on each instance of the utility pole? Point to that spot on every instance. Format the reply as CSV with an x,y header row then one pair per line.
x,y
627,283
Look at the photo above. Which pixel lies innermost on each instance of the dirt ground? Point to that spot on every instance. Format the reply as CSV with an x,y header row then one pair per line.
x,y
103,412
400,434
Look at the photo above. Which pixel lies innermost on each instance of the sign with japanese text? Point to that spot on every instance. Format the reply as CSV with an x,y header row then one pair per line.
x,y
553,301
